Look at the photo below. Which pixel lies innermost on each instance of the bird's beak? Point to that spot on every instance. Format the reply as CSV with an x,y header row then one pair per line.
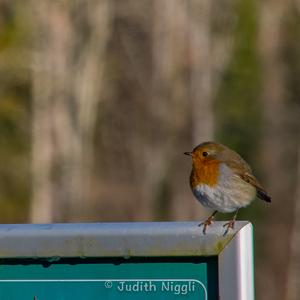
x,y
188,153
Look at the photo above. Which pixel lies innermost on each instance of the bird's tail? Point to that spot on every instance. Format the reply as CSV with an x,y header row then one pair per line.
x,y
262,194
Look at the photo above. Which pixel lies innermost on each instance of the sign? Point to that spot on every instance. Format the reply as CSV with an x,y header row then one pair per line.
x,y
125,261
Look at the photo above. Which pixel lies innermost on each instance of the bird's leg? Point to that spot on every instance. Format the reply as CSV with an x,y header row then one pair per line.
x,y
208,221
230,224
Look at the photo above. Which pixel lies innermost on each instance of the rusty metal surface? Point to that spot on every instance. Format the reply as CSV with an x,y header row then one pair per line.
x,y
113,239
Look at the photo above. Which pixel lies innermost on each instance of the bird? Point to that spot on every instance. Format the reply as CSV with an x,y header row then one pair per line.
x,y
222,181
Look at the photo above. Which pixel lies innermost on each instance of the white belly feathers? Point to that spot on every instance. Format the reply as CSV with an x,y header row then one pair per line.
x,y
230,194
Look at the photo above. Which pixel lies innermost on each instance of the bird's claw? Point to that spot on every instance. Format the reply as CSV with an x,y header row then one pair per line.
x,y
206,223
229,225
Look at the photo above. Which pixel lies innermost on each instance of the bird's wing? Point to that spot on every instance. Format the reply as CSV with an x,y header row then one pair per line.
x,y
234,161
260,191
239,166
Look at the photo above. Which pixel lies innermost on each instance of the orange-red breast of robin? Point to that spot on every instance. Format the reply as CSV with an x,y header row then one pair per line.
x,y
223,181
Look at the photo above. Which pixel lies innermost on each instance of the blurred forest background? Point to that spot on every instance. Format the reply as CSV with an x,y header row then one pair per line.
x,y
100,98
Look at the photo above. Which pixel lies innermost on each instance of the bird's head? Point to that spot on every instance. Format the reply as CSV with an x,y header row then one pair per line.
x,y
206,152
205,163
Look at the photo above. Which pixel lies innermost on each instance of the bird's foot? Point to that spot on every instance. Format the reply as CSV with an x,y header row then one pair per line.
x,y
229,225
206,223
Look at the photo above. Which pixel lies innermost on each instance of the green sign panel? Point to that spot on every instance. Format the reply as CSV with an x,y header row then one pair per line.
x,y
116,261
110,278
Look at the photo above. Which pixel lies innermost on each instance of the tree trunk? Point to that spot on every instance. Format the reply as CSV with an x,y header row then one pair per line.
x,y
278,150
200,45
293,269
67,82
167,105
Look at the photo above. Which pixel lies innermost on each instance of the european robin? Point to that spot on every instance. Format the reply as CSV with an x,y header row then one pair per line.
x,y
223,181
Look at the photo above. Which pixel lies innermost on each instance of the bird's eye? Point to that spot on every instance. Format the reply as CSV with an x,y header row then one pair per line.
x,y
204,153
